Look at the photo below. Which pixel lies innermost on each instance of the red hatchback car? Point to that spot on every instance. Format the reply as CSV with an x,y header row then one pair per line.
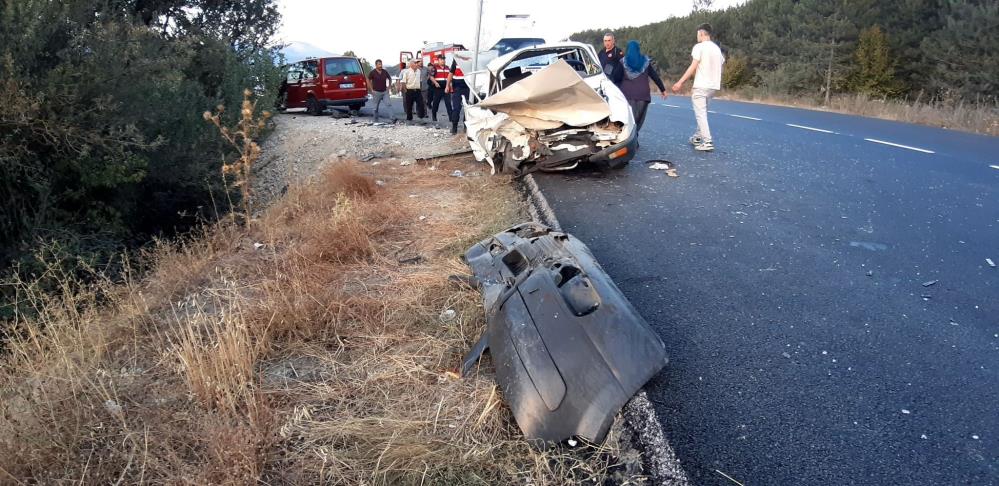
x,y
316,84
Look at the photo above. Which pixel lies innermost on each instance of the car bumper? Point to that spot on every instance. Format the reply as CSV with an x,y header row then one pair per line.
x,y
344,102
618,154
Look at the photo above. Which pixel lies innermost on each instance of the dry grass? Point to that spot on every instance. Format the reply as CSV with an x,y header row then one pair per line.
x,y
981,117
315,358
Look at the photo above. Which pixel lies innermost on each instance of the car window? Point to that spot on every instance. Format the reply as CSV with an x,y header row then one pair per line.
x,y
506,46
310,70
579,60
342,67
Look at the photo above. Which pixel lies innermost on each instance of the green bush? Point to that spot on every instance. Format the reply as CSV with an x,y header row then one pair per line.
x,y
102,144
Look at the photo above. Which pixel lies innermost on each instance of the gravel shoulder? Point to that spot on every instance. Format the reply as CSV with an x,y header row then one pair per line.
x,y
301,145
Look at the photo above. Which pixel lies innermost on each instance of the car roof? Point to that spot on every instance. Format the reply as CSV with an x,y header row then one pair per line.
x,y
499,63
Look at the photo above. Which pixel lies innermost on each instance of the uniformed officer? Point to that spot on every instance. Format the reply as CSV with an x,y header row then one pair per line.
x,y
610,59
438,86
458,88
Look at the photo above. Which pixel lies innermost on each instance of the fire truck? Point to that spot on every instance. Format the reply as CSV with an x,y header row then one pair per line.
x,y
431,51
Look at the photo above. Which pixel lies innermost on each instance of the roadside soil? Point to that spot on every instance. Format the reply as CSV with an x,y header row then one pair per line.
x,y
316,344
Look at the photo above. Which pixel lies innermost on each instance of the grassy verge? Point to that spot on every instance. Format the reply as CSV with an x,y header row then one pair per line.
x,y
981,117
311,346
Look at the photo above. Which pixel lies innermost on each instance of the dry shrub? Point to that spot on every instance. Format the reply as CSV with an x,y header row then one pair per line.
x,y
294,350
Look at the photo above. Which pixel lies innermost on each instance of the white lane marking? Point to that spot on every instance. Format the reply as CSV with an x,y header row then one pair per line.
x,y
995,167
917,149
811,128
709,111
669,105
747,117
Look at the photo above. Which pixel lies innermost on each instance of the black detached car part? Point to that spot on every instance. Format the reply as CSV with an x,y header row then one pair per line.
x,y
568,348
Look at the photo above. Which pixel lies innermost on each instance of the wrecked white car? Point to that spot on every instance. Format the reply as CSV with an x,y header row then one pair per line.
x,y
550,108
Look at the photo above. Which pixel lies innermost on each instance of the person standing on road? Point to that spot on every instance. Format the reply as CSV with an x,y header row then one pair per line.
x,y
379,86
459,91
438,79
706,68
638,70
410,81
610,59
424,81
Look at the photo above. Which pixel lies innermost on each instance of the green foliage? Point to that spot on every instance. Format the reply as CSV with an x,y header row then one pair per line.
x,y
102,144
366,67
944,48
736,72
875,66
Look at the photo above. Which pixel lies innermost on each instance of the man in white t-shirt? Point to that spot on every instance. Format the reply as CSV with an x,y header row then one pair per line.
x,y
707,71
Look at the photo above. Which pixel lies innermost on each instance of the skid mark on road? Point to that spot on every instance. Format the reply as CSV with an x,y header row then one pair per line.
x,y
917,149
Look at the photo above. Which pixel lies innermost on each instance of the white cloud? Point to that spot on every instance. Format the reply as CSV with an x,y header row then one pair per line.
x,y
375,29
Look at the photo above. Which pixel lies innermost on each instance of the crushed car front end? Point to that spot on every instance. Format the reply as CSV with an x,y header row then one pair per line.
x,y
551,108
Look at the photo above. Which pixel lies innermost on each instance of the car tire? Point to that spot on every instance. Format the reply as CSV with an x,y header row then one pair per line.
x,y
313,107
612,164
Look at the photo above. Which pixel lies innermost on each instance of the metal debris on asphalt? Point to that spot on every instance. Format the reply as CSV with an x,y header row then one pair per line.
x,y
931,282
990,262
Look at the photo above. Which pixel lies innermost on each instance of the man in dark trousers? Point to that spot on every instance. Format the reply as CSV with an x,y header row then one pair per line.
x,y
379,86
438,80
410,81
459,91
610,59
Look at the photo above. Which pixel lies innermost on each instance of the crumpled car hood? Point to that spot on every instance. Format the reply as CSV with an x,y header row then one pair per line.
x,y
508,125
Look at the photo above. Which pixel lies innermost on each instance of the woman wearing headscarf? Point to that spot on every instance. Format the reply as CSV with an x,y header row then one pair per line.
x,y
638,70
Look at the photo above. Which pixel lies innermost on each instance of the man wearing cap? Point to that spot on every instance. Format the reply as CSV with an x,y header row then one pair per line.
x,y
409,79
438,80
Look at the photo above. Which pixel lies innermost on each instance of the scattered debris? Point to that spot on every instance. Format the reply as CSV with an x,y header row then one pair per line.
x,y
455,153
923,437
926,296
953,322
374,155
974,437
448,315
406,162
457,173
572,442
379,182
664,165
870,273
929,283
422,218
786,355
905,412
257,246
990,262
543,294
112,406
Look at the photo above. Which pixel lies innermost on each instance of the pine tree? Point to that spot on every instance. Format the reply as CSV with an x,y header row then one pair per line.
x,y
875,67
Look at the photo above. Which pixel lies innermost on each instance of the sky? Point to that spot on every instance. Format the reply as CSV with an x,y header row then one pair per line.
x,y
379,30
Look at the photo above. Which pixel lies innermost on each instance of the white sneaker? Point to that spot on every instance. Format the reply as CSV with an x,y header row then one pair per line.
x,y
696,140
705,146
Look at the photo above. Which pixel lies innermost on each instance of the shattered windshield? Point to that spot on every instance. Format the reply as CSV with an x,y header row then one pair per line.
x,y
536,60
506,46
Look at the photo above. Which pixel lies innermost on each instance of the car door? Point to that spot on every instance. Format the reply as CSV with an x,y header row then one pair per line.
x,y
295,96
344,79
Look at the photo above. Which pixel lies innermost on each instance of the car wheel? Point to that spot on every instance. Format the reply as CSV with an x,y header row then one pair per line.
x,y
613,164
313,107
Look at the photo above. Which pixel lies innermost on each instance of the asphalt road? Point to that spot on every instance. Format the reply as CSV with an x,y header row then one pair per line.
x,y
789,274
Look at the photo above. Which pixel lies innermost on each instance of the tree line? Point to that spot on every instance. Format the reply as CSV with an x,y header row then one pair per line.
x,y
946,50
102,141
